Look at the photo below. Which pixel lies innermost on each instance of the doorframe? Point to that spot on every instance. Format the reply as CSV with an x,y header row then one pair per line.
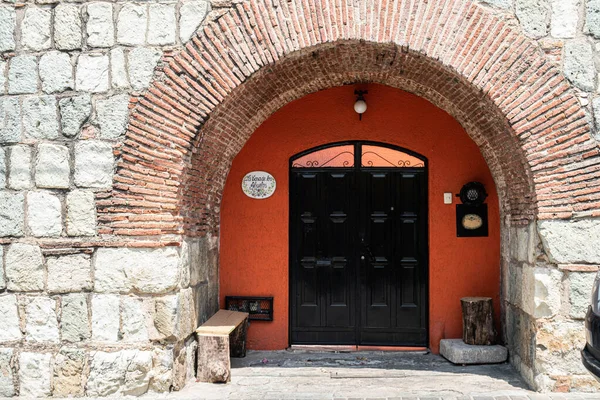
x,y
357,165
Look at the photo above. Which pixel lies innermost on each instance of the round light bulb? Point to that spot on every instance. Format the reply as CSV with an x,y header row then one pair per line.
x,y
360,106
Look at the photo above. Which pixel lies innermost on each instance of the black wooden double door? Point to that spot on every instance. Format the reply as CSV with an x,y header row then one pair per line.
x,y
358,256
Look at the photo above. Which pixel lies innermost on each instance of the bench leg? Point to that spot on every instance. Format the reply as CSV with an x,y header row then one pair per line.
x,y
237,340
213,359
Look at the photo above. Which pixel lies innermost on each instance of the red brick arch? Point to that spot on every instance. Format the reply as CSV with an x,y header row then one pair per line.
x,y
256,56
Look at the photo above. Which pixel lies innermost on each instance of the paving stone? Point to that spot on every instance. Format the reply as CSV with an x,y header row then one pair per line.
x,y
75,323
67,26
35,28
81,213
9,318
8,18
41,320
105,317
92,73
52,168
100,28
133,315
12,214
118,69
68,378
56,72
7,386
142,62
565,17
580,289
191,15
161,24
40,118
10,120
458,352
113,114
19,172
132,22
70,273
22,74
74,112
94,163
44,214
533,16
35,373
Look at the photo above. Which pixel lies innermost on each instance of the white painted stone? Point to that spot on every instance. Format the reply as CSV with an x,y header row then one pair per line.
x,y
75,323
132,23
74,112
35,28
56,72
133,317
92,73
24,267
8,18
41,320
67,26
7,386
81,213
19,173
35,373
52,168
161,24
113,113
191,15
44,214
579,64
142,62
12,214
10,120
70,273
105,317
40,118
118,69
9,318
499,3
99,27
580,293
22,74
94,163
565,17
126,372
571,242
533,16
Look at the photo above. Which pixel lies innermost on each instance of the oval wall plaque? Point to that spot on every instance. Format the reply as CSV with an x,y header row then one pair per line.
x,y
258,184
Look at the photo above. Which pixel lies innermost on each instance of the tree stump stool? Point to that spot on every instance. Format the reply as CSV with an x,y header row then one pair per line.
x,y
478,321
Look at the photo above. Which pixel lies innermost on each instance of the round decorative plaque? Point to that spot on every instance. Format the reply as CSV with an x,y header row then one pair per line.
x,y
258,184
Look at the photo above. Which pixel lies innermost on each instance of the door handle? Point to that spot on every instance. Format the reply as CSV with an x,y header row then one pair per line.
x,y
324,262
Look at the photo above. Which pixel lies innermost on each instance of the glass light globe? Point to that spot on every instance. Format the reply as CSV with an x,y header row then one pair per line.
x,y
360,106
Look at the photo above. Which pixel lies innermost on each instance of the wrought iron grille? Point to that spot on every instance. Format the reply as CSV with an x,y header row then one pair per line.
x,y
258,308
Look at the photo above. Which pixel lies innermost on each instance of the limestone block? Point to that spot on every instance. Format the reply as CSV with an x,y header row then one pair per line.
x,y
142,62
7,386
75,322
67,26
22,74
8,18
10,120
3,65
19,173
70,273
137,373
184,263
35,28
3,169
35,373
592,17
2,279
117,69
162,370
105,317
132,22
126,372
558,346
499,3
191,348
541,288
596,110
571,242
565,17
24,267
161,24
191,15
579,64
580,293
94,163
56,72
133,315
166,317
52,168
81,213
9,319
92,73
41,320
74,112
532,15
40,119
44,214
113,113
457,352
69,366
100,28
12,214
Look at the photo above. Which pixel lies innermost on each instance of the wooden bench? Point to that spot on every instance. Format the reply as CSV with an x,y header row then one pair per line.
x,y
222,336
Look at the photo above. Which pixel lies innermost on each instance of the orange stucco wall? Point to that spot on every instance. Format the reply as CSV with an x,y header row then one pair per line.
x,y
254,233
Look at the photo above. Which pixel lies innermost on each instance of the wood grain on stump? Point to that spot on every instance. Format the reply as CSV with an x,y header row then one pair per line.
x,y
478,321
